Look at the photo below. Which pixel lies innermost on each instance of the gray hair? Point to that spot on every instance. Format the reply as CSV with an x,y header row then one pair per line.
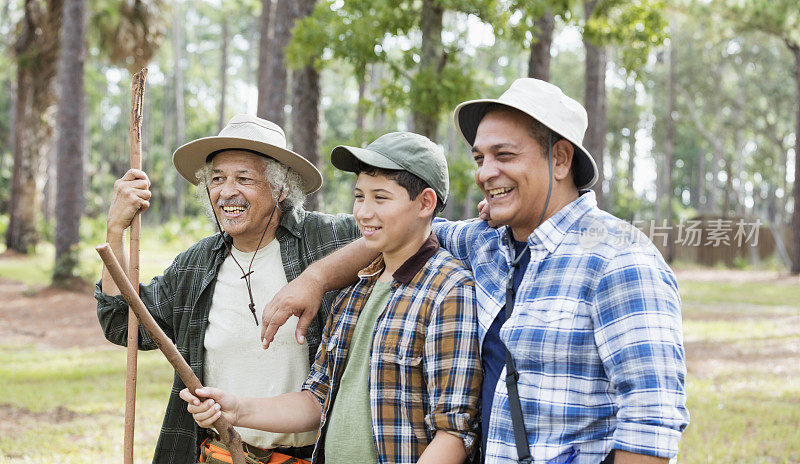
x,y
277,176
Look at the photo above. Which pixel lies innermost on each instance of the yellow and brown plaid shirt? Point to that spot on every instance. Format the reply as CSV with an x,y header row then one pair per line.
x,y
424,366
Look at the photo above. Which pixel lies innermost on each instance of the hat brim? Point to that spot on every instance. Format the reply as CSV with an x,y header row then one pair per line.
x,y
190,157
345,158
468,116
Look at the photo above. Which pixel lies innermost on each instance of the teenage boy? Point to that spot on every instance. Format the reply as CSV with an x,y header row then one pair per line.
x,y
399,357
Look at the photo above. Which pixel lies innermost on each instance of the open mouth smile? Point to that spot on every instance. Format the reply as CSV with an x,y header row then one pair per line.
x,y
233,211
369,230
499,192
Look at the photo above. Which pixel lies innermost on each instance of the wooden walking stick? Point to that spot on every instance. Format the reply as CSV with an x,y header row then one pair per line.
x,y
226,431
137,109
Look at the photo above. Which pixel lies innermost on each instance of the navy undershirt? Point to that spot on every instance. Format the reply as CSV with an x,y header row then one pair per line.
x,y
493,351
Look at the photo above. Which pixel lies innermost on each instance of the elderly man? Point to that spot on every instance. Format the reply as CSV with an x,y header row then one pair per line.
x,y
209,300
579,316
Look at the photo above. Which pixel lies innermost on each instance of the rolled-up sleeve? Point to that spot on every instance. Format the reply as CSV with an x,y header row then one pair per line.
x,y
639,337
452,366
318,380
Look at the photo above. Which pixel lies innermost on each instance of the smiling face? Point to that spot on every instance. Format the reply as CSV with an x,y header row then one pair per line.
x,y
390,221
242,198
512,171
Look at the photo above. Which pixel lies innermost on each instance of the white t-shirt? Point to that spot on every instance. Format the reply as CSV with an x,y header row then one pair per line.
x,y
234,359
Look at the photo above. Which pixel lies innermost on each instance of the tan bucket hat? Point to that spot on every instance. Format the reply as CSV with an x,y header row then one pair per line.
x,y
547,104
249,133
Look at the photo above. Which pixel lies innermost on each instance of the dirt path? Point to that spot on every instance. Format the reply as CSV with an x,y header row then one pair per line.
x,y
57,318
48,317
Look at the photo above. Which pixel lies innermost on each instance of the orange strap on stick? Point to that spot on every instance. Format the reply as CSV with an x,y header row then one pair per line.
x,y
226,431
137,112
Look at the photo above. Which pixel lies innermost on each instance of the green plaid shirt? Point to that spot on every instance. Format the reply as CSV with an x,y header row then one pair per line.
x,y
180,301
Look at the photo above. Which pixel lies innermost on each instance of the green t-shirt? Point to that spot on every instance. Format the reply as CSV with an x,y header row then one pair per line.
x,y
349,436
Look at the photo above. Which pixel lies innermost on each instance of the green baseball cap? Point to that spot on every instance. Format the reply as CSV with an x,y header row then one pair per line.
x,y
404,151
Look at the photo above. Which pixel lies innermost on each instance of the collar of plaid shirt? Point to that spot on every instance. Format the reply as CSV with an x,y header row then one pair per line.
x,y
411,266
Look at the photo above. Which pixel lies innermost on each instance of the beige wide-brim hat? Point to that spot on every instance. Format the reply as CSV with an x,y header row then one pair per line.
x,y
249,133
547,104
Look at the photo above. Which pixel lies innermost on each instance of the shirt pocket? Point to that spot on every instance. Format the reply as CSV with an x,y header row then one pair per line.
x,y
401,372
336,351
548,333
547,311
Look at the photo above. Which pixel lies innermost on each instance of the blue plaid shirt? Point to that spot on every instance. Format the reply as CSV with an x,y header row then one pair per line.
x,y
595,334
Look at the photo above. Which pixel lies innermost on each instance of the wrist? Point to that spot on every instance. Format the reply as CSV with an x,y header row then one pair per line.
x,y
315,279
114,231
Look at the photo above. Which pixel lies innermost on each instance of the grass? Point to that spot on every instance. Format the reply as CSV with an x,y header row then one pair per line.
x,y
741,341
159,246
756,424
762,293
70,404
744,376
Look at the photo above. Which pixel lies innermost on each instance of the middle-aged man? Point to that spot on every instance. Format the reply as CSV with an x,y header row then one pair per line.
x,y
206,301
594,325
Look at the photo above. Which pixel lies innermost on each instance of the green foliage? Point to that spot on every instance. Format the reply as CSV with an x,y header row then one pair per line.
x,y
363,33
518,22
639,26
780,18
3,224
129,33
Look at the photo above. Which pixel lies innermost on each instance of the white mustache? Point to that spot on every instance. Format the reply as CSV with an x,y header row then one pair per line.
x,y
233,202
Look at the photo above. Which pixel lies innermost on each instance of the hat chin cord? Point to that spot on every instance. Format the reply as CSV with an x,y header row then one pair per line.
x,y
246,275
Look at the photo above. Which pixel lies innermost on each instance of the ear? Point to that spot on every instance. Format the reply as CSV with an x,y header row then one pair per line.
x,y
427,201
284,191
563,152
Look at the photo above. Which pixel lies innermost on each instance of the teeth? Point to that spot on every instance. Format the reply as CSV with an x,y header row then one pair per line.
x,y
370,228
499,191
233,209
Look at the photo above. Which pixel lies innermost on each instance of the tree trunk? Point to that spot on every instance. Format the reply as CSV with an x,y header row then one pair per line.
x,y
425,100
595,102
180,118
795,48
728,191
669,152
784,182
161,201
713,187
698,189
379,115
539,61
275,89
632,138
223,73
362,92
49,191
305,108
71,120
36,52
264,54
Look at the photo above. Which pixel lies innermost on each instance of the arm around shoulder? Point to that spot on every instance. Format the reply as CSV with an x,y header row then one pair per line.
x,y
302,296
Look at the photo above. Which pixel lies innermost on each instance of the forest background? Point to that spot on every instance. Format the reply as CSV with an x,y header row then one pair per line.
x,y
693,105
694,112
